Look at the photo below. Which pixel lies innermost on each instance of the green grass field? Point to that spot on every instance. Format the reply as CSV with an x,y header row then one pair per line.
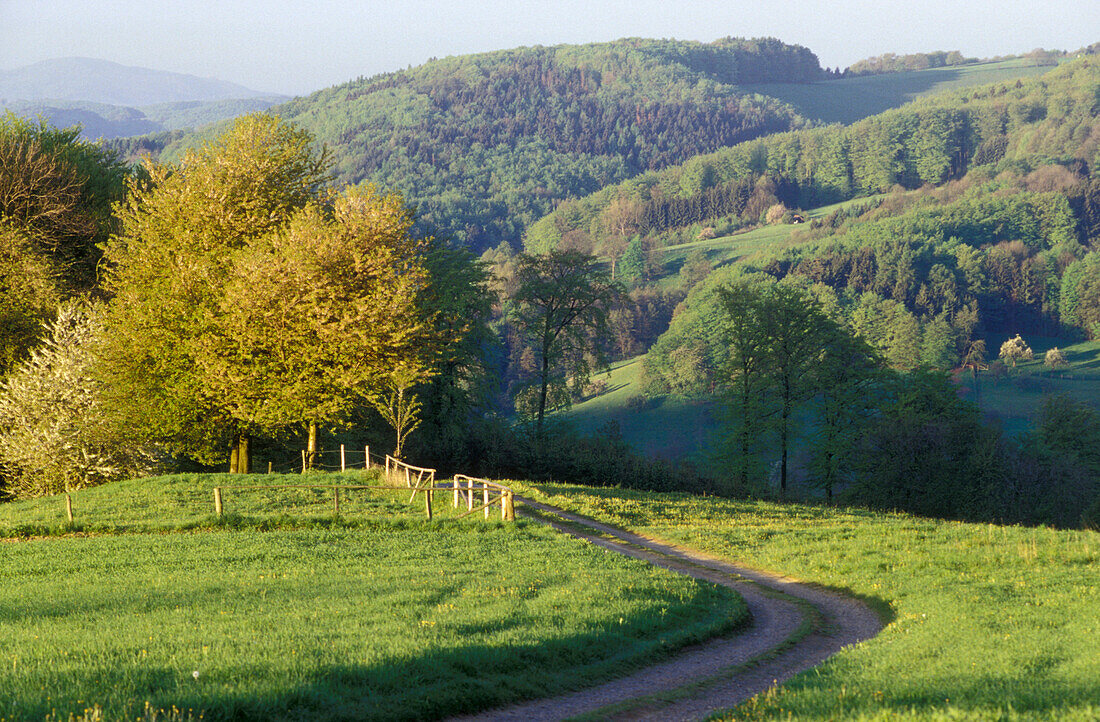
x,y
850,99
727,249
376,615
985,622
668,427
1015,398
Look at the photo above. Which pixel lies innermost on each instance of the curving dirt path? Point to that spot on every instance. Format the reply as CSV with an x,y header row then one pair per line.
x,y
794,627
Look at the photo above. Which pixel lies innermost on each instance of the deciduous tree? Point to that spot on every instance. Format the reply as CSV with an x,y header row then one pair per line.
x,y
53,436
182,228
561,309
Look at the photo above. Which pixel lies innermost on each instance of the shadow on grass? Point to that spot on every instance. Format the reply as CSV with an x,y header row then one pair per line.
x,y
436,684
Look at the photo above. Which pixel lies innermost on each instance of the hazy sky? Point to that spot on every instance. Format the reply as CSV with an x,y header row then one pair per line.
x,y
293,47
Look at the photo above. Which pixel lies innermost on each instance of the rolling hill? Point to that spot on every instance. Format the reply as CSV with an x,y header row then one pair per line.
x,y
485,144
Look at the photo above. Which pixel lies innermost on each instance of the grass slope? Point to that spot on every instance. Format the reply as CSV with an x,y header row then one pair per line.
x,y
985,622
1015,398
671,428
376,615
851,99
729,249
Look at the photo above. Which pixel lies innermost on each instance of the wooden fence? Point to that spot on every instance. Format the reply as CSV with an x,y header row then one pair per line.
x,y
492,493
399,475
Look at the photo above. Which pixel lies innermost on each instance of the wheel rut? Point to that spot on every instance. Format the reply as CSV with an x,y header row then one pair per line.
x,y
794,626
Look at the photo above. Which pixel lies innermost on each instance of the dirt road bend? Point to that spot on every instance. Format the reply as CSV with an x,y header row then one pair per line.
x,y
794,627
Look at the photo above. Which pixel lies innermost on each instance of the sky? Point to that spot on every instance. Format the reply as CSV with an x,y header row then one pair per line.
x,y
295,47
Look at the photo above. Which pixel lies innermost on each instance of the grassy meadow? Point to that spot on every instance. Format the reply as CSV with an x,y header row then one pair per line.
x,y
984,622
668,427
728,249
850,99
286,613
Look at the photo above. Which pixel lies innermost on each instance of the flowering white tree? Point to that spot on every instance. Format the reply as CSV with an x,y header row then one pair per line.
x,y
1055,359
53,437
1016,349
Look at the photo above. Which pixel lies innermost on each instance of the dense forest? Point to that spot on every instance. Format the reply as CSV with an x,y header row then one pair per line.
x,y
484,145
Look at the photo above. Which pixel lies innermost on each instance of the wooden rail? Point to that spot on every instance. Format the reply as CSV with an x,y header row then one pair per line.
x,y
492,493
417,478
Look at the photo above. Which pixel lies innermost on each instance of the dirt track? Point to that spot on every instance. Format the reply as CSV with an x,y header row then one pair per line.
x,y
794,627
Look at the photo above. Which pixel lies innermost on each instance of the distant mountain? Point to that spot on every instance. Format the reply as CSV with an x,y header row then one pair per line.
x,y
99,120
101,81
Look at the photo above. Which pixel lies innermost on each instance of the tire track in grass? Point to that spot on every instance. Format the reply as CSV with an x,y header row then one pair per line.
x,y
795,626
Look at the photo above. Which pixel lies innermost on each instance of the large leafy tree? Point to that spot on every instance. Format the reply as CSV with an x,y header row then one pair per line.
x,y
744,371
561,308
182,227
459,303
56,193
322,315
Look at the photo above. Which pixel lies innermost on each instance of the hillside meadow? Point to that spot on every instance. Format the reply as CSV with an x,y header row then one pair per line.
x,y
156,610
985,622
850,99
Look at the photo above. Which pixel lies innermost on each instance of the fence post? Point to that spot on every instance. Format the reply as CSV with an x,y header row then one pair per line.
x,y
366,457
456,492
303,461
343,465
469,495
485,498
336,500
218,500
508,507
269,467
428,502
408,482
69,507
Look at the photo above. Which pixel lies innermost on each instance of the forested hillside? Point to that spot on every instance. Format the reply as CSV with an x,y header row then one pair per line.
x,y
484,145
1021,125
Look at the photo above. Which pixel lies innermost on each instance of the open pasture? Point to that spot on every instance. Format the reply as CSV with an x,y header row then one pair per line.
x,y
985,622
850,99
372,615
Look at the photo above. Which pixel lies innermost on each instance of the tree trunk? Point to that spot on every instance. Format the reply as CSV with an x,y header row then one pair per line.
x,y
244,450
311,448
784,432
543,389
234,454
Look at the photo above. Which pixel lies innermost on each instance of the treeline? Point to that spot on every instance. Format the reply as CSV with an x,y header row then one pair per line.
x,y
484,145
806,398
1019,128
893,63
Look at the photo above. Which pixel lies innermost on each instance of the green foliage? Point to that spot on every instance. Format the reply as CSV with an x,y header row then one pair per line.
x,y
319,315
30,291
56,193
485,145
458,301
561,308
276,307
783,350
53,436
928,141
891,63
169,267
